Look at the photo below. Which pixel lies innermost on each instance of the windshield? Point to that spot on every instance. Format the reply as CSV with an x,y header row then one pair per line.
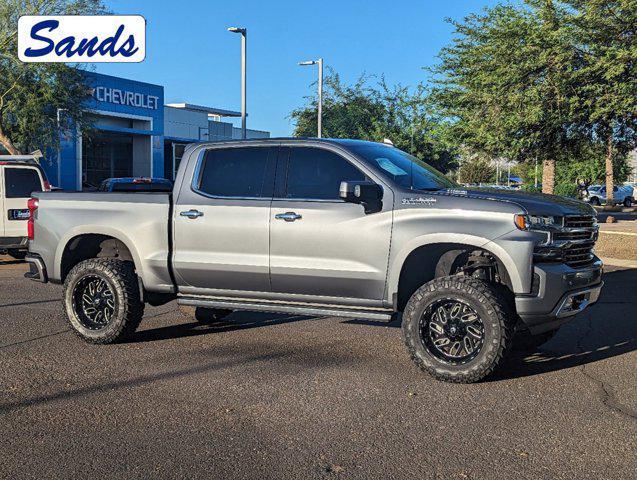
x,y
402,168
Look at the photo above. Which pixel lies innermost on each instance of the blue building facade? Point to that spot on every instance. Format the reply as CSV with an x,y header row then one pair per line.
x,y
130,132
126,136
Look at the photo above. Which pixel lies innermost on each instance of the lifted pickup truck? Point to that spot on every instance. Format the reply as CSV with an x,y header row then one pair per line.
x,y
325,227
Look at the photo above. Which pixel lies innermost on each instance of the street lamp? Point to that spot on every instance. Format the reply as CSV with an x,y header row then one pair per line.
x,y
318,62
57,114
244,34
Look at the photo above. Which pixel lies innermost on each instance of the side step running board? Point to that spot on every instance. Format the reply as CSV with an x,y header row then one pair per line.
x,y
313,310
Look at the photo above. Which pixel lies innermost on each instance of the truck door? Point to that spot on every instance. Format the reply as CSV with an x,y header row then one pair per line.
x,y
222,221
18,183
321,245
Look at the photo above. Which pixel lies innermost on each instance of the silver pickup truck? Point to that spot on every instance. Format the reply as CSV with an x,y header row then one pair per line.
x,y
328,228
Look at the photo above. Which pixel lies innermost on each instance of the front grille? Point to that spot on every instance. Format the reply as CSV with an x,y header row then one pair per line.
x,y
579,254
585,235
582,221
583,230
572,243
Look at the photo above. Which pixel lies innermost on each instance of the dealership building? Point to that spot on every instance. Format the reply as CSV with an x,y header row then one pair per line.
x,y
132,133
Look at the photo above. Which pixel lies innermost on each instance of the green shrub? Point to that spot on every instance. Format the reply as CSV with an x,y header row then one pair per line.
x,y
566,189
531,188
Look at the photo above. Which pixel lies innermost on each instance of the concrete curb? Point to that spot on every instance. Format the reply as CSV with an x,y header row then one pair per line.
x,y
613,232
619,262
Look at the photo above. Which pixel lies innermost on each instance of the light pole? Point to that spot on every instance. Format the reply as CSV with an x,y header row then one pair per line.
x,y
244,53
57,115
318,62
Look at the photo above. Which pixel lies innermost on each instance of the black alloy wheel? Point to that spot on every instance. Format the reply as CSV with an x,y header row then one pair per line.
x,y
452,331
93,302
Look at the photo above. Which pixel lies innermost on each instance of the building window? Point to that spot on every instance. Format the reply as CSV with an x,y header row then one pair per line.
x,y
106,155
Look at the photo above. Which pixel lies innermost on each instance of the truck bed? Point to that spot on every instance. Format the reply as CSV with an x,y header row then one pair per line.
x,y
140,220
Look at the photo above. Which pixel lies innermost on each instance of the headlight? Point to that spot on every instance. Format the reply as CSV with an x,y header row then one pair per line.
x,y
536,222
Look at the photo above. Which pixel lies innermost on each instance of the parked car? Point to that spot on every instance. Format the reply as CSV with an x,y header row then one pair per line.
x,y
136,184
19,177
621,195
325,227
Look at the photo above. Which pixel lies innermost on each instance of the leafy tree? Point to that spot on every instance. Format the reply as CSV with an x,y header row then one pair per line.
x,y
606,35
587,167
476,170
32,93
507,83
348,110
377,112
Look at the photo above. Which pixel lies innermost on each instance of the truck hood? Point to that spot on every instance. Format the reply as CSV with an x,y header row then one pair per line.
x,y
534,203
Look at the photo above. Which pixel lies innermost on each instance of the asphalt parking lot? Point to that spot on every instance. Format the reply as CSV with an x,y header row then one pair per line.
x,y
272,396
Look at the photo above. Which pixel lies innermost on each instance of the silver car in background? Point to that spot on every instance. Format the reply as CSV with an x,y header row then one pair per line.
x,y
621,195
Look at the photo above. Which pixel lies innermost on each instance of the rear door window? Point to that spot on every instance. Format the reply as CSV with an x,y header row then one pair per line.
x,y
20,182
238,172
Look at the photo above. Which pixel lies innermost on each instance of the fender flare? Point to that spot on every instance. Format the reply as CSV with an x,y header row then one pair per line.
x,y
95,230
396,266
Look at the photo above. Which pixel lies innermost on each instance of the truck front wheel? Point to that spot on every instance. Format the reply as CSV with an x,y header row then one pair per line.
x,y
102,301
457,328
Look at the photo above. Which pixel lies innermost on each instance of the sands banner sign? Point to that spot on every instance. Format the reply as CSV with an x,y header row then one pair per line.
x,y
82,38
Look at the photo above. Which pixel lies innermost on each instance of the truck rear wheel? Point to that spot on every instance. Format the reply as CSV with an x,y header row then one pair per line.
x,y
102,301
458,329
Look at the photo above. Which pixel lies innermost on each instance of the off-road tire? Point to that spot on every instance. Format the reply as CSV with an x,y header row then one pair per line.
x,y
17,254
487,301
129,309
595,201
204,315
628,202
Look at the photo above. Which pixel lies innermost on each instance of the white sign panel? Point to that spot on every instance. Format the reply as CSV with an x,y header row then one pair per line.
x,y
82,38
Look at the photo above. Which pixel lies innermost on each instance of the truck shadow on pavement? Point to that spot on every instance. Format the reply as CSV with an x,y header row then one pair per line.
x,y
606,330
236,321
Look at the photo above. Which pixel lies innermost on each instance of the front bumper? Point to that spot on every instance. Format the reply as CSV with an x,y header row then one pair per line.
x,y
559,293
37,269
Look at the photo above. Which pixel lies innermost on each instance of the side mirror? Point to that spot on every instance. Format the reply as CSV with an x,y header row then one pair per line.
x,y
367,193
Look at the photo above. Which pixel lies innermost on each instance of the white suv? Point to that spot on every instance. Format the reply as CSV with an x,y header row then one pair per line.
x,y
597,195
19,176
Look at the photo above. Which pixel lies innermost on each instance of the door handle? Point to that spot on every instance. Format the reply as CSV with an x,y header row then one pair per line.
x,y
288,216
192,214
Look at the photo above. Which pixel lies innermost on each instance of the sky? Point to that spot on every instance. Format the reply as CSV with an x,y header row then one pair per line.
x,y
190,52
